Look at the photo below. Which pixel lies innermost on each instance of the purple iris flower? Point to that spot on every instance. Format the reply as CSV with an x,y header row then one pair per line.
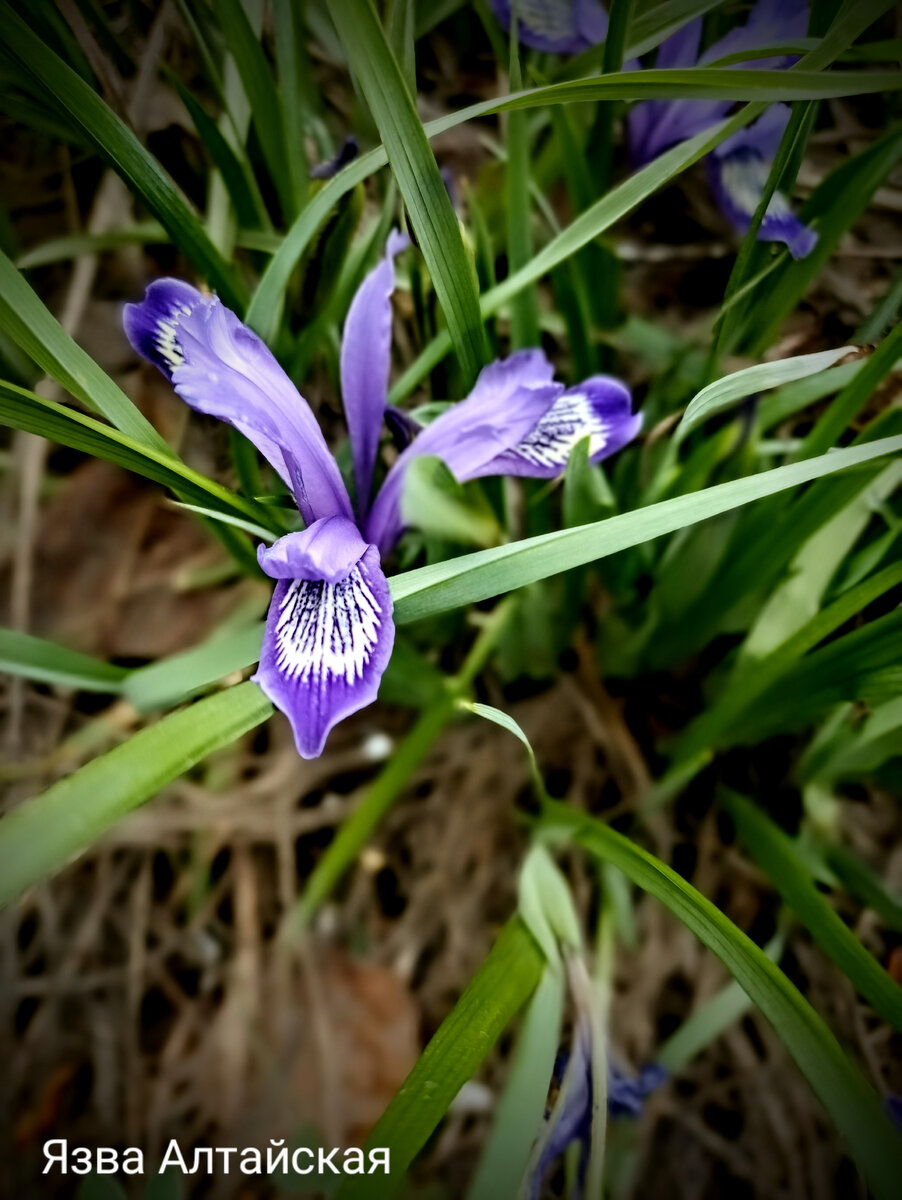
x,y
329,632
556,26
739,167
571,1118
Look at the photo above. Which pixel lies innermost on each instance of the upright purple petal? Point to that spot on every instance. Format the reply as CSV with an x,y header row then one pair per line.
x,y
600,408
508,400
220,367
329,631
738,171
365,364
556,26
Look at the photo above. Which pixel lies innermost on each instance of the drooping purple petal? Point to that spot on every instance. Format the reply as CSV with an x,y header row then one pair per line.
x,y
365,364
556,26
329,631
600,408
508,400
769,22
220,367
738,171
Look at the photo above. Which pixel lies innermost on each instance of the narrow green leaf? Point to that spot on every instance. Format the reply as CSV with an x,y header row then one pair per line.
x,y
848,1099
116,143
525,306
707,1022
774,853
21,409
724,393
472,577
35,658
864,883
494,995
42,834
35,330
262,95
413,163
174,679
518,1117
699,82
722,722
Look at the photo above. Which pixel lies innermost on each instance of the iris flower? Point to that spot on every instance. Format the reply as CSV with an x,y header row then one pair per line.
x,y
329,631
556,26
738,168
573,1118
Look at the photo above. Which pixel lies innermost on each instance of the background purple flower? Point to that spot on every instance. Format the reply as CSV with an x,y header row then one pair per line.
x,y
739,167
556,26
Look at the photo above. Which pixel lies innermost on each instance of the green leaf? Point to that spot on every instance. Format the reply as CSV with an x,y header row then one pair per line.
x,y
36,658
494,995
863,882
236,174
435,503
174,679
712,1018
848,1099
43,833
116,143
425,197
263,98
35,330
774,853
724,393
472,577
724,721
518,1116
525,307
699,82
21,409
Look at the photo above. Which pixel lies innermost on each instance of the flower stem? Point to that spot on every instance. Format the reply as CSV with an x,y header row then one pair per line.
x,y
387,786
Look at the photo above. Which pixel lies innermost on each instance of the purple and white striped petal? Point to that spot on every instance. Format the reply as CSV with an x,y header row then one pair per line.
x,y
220,367
508,400
556,26
365,364
738,171
329,631
599,409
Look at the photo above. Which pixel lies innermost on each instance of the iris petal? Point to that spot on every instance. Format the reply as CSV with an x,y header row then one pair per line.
x,y
220,367
599,409
329,631
365,363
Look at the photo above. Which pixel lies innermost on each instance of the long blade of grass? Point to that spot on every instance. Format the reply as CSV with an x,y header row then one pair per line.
x,y
699,82
35,330
263,96
494,995
118,146
723,393
35,658
428,205
774,853
41,835
21,409
473,577
839,1085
